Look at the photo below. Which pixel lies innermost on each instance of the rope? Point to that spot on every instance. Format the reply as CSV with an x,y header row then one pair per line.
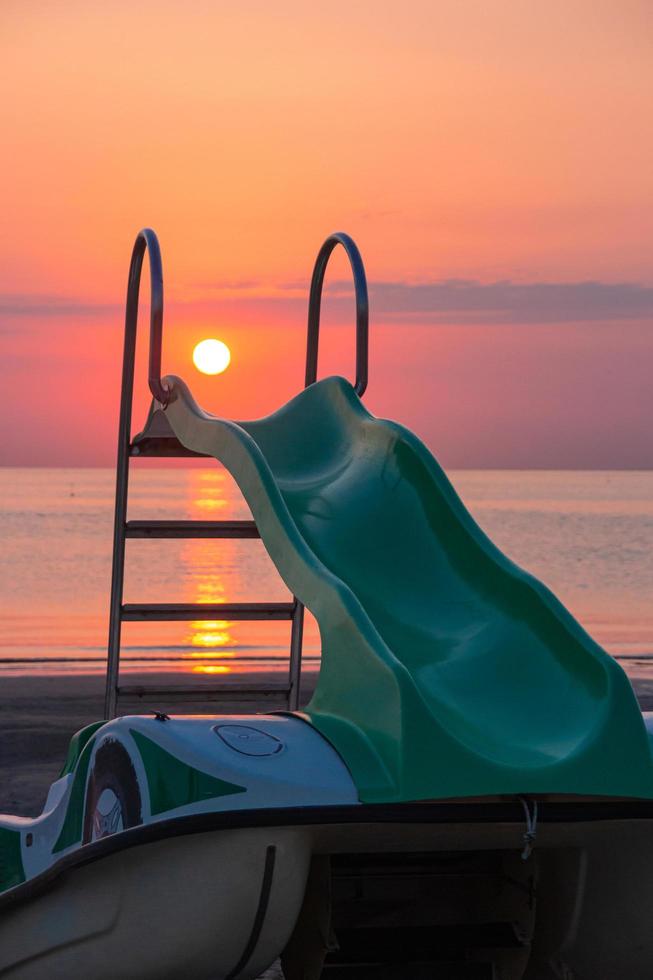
x,y
531,827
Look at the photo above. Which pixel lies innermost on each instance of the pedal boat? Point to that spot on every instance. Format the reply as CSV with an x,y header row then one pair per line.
x,y
467,794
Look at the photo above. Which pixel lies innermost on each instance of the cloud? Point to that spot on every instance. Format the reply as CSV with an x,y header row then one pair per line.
x,y
470,301
229,285
16,308
44,305
445,301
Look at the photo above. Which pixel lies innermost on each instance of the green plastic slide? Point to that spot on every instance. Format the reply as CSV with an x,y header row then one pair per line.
x,y
446,670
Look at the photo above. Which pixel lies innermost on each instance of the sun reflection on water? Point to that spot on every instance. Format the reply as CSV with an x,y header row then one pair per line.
x,y
209,633
207,489
207,493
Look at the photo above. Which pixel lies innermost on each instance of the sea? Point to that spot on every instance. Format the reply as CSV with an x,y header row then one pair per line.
x,y
587,535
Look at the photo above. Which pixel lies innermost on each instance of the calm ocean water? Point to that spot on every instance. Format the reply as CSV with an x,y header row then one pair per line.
x,y
588,535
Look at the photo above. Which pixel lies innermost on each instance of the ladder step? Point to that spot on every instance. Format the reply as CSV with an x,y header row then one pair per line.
x,y
158,439
204,611
163,449
194,692
191,529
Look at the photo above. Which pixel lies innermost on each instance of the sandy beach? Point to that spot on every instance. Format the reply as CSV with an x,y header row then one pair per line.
x,y
38,715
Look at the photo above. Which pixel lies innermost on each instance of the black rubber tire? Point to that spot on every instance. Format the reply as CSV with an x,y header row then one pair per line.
x,y
112,769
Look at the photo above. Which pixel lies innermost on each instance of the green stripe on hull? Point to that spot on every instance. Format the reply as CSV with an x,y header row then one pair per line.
x,y
172,783
77,744
71,832
11,862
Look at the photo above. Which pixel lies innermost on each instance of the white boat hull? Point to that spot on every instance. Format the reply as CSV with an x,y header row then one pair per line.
x,y
201,906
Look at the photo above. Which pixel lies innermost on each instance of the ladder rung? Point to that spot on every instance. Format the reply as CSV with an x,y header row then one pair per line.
x,y
163,449
204,611
191,529
195,692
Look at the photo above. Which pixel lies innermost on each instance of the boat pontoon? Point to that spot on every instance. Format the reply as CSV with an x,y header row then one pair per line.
x,y
467,794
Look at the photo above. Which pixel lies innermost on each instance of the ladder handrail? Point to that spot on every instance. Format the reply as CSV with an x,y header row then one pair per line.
x,y
147,240
362,308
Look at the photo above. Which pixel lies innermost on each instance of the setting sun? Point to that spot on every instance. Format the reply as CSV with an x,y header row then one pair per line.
x,y
211,356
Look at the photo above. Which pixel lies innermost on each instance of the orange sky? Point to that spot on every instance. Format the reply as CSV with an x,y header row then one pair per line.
x,y
497,142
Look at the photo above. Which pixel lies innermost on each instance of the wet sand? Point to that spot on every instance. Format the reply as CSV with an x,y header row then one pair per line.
x,y
38,715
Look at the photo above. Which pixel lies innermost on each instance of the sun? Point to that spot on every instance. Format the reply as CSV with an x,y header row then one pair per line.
x,y
211,356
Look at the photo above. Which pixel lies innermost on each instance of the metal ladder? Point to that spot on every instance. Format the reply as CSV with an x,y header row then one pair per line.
x,y
158,440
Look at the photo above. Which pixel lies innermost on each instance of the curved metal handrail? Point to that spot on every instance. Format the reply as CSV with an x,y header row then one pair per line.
x,y
147,240
362,308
